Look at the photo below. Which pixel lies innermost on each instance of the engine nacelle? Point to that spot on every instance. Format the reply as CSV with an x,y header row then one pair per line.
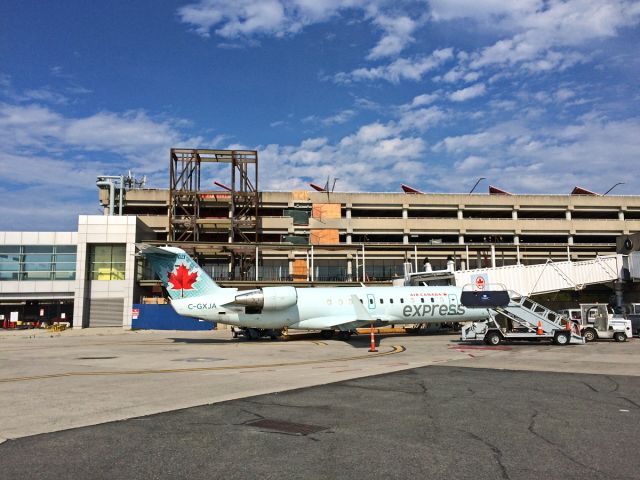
x,y
269,298
277,298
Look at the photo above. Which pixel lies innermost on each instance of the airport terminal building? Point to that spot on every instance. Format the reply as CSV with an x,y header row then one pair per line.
x,y
246,237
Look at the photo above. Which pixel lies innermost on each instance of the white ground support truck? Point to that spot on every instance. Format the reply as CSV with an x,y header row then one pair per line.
x,y
631,311
516,317
597,321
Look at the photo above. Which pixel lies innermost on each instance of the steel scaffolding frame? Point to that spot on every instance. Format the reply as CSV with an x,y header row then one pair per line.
x,y
186,197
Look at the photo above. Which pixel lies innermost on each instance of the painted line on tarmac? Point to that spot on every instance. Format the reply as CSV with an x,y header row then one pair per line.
x,y
462,348
154,343
394,349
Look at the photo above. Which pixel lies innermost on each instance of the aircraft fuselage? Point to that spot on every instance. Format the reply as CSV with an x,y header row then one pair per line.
x,y
323,308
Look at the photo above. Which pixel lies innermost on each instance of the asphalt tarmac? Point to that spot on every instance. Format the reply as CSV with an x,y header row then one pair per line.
x,y
433,422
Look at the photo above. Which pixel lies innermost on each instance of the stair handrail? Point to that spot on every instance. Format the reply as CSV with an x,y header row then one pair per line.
x,y
520,299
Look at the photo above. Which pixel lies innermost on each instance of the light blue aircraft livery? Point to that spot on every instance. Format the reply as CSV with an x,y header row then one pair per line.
x,y
194,294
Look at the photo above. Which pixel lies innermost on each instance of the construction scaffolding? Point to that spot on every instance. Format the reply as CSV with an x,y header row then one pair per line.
x,y
197,214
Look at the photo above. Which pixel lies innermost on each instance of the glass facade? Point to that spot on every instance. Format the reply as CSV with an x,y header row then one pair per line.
x,y
330,270
107,262
10,262
37,262
384,269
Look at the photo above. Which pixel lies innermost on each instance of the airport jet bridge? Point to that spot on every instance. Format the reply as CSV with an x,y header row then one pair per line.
x,y
515,317
533,279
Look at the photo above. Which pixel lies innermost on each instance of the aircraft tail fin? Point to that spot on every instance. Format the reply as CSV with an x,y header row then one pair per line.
x,y
180,274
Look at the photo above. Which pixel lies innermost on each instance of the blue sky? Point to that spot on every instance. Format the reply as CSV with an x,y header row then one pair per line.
x,y
536,96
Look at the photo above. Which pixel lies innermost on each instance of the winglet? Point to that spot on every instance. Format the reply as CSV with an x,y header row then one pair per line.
x,y
361,312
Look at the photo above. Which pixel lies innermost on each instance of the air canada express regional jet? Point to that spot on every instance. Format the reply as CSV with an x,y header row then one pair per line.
x,y
194,294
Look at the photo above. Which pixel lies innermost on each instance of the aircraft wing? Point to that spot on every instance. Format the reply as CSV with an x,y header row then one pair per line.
x,y
342,322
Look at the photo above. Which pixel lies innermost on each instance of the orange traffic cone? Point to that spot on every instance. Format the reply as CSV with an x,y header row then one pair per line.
x,y
540,331
373,341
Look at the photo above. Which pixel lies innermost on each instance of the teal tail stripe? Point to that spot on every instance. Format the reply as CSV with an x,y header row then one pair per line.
x,y
179,273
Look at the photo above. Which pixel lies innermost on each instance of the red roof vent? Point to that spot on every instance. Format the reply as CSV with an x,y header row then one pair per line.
x,y
318,187
497,191
408,189
582,191
221,185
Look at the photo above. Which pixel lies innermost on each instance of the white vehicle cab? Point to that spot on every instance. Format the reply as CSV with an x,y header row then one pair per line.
x,y
631,311
597,322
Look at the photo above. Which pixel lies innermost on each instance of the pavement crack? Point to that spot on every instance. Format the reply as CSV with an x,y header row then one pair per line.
x,y
379,389
273,432
559,448
617,385
260,417
635,404
497,453
591,387
423,386
284,405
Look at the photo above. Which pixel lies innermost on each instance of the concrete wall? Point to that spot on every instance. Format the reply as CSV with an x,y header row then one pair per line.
x,y
96,229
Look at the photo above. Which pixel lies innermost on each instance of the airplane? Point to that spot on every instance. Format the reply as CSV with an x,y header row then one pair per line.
x,y
266,311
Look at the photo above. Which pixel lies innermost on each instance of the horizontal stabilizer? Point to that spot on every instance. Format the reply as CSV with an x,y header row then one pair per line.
x,y
146,249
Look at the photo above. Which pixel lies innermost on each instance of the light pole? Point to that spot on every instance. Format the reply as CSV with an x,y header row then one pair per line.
x,y
619,183
479,180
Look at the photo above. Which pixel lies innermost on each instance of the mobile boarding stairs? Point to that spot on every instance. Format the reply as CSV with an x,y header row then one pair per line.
x,y
515,317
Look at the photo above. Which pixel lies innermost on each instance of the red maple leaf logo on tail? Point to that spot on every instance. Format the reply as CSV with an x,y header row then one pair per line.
x,y
182,279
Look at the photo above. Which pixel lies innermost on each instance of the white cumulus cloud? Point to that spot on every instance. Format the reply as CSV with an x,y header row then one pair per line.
x,y
400,69
398,33
468,93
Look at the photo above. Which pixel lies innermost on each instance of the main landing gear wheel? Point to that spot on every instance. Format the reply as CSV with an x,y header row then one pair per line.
x,y
562,338
492,338
344,335
326,334
252,334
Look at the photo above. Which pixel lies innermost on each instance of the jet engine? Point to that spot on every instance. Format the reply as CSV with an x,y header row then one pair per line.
x,y
269,298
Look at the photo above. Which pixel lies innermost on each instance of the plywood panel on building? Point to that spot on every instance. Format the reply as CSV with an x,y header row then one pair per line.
x,y
300,271
326,211
324,237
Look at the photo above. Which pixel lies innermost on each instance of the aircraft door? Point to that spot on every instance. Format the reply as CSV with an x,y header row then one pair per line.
x,y
453,304
371,301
